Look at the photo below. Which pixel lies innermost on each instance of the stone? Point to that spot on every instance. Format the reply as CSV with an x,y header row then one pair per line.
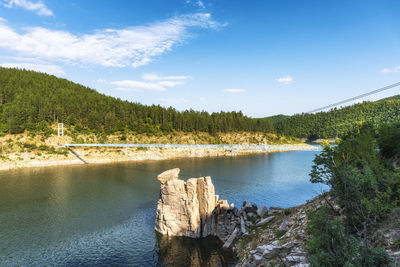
x,y
262,210
247,207
231,238
254,205
269,250
265,220
243,225
251,215
257,257
168,175
283,226
235,212
295,259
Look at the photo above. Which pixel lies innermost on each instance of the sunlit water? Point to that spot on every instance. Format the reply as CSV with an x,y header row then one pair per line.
x,y
104,214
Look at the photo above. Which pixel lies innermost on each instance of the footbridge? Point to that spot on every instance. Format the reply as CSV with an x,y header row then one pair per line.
x,y
260,147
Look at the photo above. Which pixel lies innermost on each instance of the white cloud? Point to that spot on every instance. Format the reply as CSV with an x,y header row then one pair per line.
x,y
151,82
46,68
132,46
2,20
172,100
155,77
386,70
285,80
197,3
235,91
170,83
39,7
200,4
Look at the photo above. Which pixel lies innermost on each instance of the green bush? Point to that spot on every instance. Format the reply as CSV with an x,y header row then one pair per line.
x,y
331,245
364,186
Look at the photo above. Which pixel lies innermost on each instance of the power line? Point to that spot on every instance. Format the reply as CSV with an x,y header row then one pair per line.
x,y
356,97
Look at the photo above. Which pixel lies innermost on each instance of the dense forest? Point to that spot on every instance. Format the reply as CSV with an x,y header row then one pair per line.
x,y
32,101
337,122
362,171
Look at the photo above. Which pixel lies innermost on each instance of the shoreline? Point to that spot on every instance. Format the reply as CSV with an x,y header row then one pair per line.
x,y
111,155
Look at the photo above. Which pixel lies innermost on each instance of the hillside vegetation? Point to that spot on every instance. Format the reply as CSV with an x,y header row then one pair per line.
x,y
32,101
338,122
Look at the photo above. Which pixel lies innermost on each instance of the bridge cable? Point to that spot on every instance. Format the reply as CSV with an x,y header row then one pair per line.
x,y
355,98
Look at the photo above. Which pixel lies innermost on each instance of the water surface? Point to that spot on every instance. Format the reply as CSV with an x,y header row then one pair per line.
x,y
104,214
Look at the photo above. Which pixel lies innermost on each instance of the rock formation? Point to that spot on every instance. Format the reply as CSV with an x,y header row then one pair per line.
x,y
191,208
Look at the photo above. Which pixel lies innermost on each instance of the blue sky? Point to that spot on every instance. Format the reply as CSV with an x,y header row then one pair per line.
x,y
261,57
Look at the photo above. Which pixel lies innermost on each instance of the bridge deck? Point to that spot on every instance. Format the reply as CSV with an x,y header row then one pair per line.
x,y
206,146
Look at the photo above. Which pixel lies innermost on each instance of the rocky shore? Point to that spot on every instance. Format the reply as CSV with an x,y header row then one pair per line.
x,y
258,235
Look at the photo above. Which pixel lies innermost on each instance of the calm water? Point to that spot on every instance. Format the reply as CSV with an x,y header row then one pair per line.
x,y
104,214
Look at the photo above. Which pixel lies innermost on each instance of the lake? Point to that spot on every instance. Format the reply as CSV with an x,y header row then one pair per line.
x,y
104,214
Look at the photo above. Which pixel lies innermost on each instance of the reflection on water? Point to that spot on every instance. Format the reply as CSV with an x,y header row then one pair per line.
x,y
173,251
104,214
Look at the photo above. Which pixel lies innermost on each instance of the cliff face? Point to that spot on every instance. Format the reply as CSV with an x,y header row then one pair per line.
x,y
192,209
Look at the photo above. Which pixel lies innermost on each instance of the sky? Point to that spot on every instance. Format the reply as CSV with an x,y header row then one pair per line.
x,y
262,57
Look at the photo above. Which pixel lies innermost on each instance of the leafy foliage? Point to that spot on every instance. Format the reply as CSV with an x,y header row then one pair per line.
x,y
389,136
331,246
337,122
32,100
364,186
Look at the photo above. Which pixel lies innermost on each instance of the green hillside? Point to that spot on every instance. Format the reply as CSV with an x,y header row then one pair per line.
x,y
31,101
337,122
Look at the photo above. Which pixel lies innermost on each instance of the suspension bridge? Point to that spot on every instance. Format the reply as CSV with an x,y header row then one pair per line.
x,y
259,147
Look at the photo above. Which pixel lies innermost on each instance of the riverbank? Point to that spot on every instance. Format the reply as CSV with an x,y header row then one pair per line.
x,y
99,155
28,150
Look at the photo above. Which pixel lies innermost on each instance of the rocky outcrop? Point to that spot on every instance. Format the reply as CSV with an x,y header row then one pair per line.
x,y
192,209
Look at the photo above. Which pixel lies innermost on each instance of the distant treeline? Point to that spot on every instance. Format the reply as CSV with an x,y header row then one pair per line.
x,y
338,122
32,101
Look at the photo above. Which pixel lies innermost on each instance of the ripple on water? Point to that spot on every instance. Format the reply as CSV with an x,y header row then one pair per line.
x,y
104,214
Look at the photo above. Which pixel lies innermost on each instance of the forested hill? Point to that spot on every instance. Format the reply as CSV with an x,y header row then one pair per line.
x,y
31,101
337,122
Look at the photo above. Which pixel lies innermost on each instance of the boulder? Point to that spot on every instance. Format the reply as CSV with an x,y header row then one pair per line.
x,y
283,226
265,220
231,238
248,207
262,210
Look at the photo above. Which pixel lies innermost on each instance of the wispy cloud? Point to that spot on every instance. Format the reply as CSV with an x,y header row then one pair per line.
x,y
285,80
155,77
197,3
46,68
132,46
151,82
387,70
235,91
39,7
